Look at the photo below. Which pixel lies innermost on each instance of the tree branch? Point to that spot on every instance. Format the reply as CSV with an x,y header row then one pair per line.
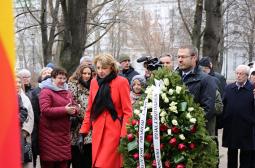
x,y
183,19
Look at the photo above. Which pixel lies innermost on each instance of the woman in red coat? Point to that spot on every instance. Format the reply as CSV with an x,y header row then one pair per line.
x,y
54,127
108,112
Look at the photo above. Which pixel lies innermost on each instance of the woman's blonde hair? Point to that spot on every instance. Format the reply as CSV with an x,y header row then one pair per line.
x,y
107,60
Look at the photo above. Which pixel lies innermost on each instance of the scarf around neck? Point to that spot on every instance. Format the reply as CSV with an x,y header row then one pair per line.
x,y
103,99
85,84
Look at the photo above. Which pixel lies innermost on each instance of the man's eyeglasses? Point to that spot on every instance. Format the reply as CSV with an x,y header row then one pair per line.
x,y
183,56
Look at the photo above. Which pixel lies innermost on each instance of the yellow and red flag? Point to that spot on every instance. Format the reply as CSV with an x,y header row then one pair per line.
x,y
10,149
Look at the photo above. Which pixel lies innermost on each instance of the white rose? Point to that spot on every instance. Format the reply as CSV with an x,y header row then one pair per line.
x,y
188,115
163,95
147,129
166,100
191,109
149,96
193,120
163,88
149,105
162,120
182,137
166,81
137,112
171,91
178,89
169,131
173,103
173,109
163,113
174,122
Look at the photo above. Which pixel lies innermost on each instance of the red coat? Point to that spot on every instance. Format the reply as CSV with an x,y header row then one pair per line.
x,y
106,133
54,126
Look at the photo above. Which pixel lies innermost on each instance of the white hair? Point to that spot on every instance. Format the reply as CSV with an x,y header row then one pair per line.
x,y
24,72
244,68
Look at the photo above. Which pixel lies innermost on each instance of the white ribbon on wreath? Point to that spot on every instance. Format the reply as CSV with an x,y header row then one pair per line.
x,y
155,126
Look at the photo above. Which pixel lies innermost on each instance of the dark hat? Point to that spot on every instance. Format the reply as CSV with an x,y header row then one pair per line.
x,y
205,62
123,57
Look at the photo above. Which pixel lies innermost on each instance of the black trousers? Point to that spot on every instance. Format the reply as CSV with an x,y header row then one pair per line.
x,y
82,159
246,158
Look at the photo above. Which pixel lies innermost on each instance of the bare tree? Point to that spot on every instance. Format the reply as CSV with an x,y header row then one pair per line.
x,y
149,34
193,30
213,33
246,24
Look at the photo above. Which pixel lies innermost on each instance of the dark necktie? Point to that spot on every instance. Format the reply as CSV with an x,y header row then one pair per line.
x,y
184,76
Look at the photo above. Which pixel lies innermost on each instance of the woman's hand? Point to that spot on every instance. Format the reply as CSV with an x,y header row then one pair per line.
x,y
71,110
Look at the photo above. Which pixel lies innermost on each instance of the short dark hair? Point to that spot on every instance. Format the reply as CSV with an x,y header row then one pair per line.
x,y
58,71
192,49
166,55
253,73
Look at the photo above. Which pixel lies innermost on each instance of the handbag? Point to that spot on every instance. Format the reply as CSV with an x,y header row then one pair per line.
x,y
27,151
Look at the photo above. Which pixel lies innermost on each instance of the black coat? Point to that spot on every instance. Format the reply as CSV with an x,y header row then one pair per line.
x,y
129,74
34,98
238,117
203,87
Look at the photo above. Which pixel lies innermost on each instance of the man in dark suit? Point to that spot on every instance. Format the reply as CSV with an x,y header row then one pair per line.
x,y
201,85
238,119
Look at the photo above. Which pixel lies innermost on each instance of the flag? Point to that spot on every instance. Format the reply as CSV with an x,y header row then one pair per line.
x,y
10,149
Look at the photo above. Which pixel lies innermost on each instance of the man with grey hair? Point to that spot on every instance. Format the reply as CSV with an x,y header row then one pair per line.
x,y
238,119
201,85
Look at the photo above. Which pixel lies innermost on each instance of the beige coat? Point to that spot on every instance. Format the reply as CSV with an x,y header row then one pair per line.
x,y
29,123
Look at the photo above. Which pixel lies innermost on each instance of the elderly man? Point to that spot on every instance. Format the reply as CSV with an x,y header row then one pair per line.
x,y
167,61
127,70
238,119
201,85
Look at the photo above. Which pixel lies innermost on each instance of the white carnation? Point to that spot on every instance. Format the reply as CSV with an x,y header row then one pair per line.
x,y
149,105
173,109
163,88
173,103
136,111
174,122
163,120
188,115
182,137
178,89
163,95
166,81
171,91
193,120
166,100
169,131
163,113
191,109
147,129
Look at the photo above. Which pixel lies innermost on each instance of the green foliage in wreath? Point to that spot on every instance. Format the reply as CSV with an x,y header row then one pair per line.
x,y
184,141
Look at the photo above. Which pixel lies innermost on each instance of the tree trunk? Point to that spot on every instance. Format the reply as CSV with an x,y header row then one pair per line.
x,y
75,16
213,32
196,31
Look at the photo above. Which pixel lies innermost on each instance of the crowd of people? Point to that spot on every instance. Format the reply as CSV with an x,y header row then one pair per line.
x,y
79,120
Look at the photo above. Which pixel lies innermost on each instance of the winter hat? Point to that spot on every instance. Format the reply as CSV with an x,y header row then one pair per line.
x,y
123,57
205,62
141,78
50,65
86,58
